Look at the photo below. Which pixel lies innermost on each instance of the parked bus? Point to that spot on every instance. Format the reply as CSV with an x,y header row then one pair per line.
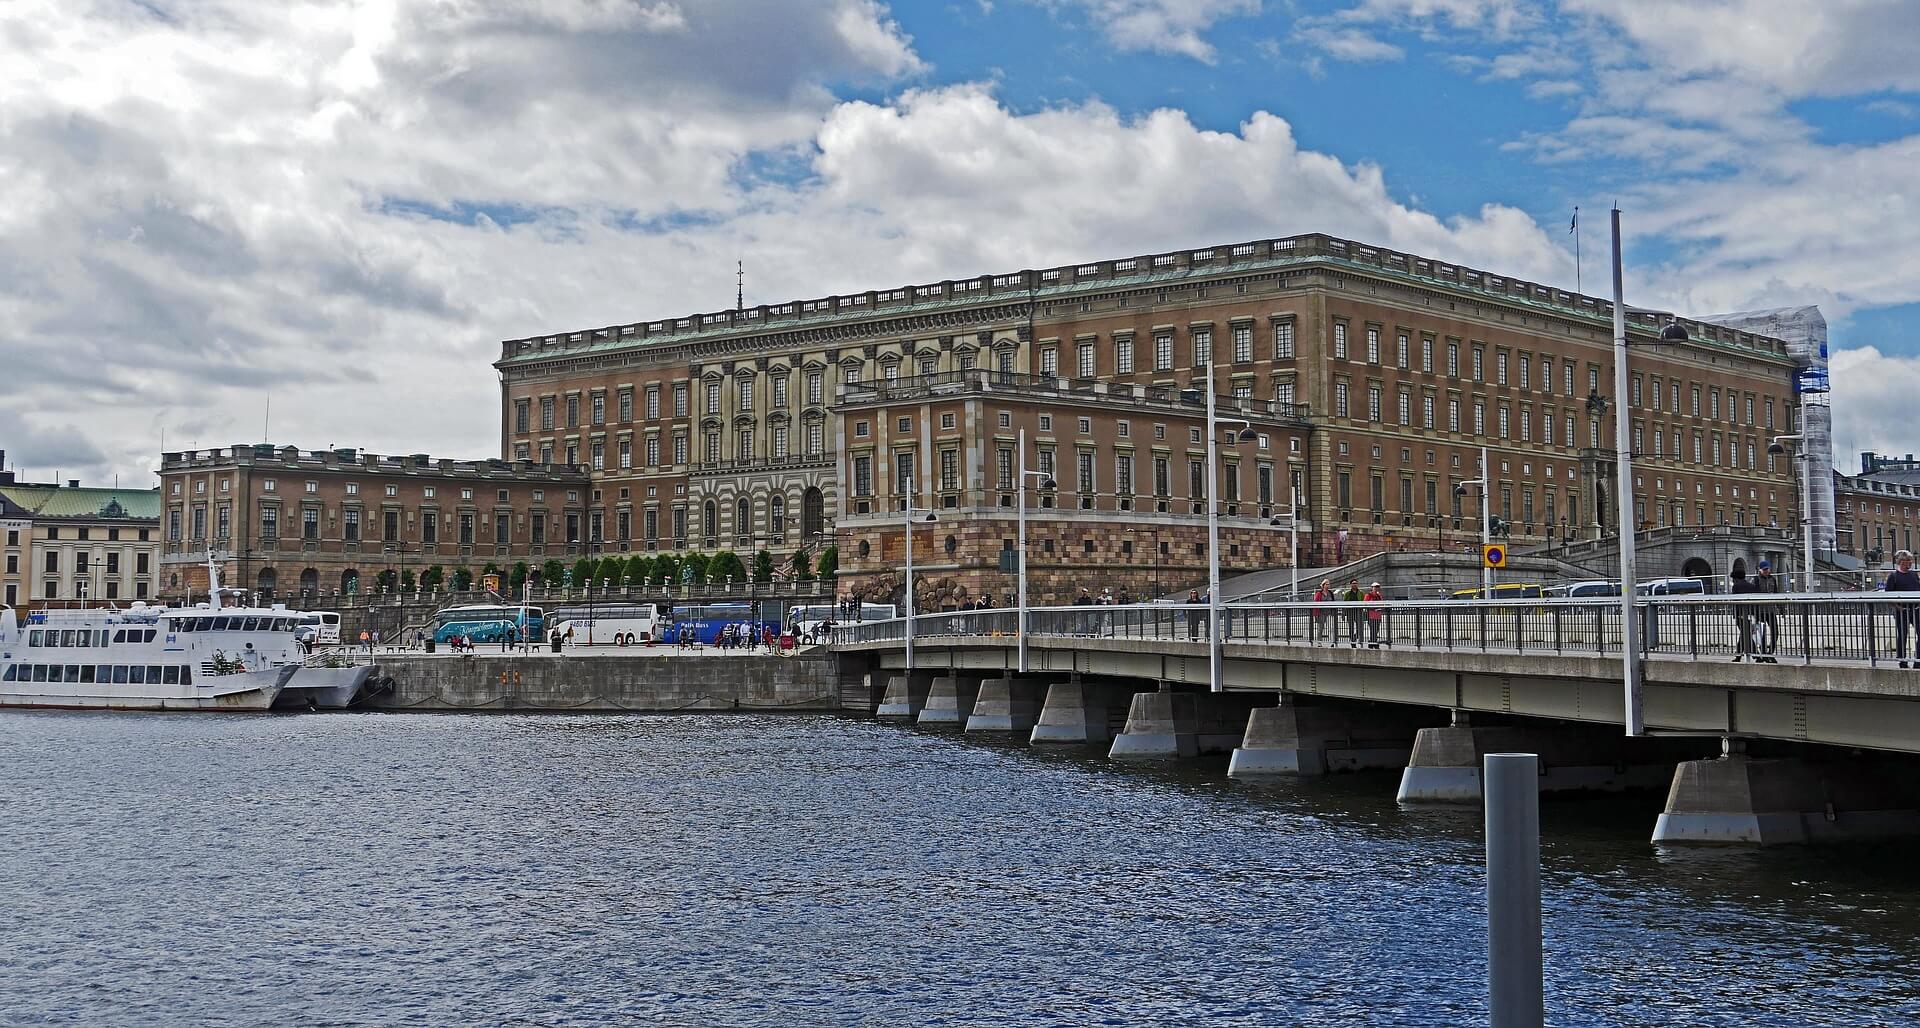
x,y
808,623
488,623
318,628
703,623
609,624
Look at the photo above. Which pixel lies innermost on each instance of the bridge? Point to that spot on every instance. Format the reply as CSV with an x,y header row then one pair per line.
x,y
1810,734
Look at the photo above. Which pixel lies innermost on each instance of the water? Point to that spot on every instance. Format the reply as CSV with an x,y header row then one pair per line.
x,y
801,870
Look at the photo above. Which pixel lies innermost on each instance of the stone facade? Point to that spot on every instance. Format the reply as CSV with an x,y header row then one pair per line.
x,y
72,544
1398,368
287,522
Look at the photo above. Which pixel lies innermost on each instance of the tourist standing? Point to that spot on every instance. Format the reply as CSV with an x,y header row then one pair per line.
x,y
1743,624
1353,596
1323,616
1375,613
1767,615
1906,616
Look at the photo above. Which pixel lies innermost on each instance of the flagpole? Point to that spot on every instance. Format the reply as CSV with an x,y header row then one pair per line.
x,y
1576,251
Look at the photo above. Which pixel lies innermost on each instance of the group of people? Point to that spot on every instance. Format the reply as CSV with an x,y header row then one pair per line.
x,y
1378,632
1106,598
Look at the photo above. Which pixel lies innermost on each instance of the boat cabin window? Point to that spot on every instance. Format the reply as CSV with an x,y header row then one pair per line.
x,y
119,674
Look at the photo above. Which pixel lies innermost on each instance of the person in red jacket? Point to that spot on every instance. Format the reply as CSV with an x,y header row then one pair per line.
x,y
1375,614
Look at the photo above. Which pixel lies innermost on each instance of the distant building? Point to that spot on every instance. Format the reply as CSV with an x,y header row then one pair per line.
x,y
1879,509
69,544
291,523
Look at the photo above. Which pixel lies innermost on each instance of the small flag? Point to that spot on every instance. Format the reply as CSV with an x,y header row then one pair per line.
x,y
1575,226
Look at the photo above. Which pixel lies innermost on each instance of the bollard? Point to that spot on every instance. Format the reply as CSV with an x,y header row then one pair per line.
x,y
1511,784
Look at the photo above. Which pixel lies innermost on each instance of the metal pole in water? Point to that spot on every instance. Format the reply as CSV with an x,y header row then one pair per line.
x,y
1511,784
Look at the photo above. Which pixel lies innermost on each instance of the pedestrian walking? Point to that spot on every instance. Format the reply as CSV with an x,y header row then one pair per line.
x,y
1353,596
366,640
1906,616
1193,616
1743,623
1767,615
1376,612
419,638
1323,615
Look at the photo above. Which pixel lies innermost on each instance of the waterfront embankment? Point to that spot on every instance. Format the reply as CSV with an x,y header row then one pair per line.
x,y
653,681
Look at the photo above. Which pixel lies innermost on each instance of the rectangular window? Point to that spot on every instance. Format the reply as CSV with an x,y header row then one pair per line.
x,y
1242,343
1123,475
352,526
1086,354
1283,395
1123,355
1453,360
680,448
546,414
1163,352
903,471
1426,412
1479,357
1162,477
1426,354
743,393
1373,403
1373,345
1503,416
1049,363
1453,414
520,416
1546,375
1340,340
269,522
1083,473
626,453
1406,407
1479,418
1526,371
949,470
863,476
680,400
599,408
1202,347
1283,341
816,388
1003,470
779,442
1339,399
713,397
573,411
1400,350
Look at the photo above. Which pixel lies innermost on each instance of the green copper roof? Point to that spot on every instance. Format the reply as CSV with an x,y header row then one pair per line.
x,y
51,502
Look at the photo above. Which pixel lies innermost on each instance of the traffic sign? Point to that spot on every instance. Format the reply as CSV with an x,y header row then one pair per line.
x,y
1494,556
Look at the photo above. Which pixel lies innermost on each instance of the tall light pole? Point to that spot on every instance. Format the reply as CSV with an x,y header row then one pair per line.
x,y
1634,711
910,510
1020,484
1293,541
1486,522
1775,449
1213,531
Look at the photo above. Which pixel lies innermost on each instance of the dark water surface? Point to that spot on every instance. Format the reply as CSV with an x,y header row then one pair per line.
x,y
798,870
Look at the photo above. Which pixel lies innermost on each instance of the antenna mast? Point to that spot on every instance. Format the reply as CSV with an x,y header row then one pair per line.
x,y
739,286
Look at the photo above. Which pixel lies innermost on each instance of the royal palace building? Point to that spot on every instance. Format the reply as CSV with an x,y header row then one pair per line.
x,y
1360,383
288,523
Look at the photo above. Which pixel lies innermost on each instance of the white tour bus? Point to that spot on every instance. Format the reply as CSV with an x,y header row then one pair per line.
x,y
808,623
318,628
609,624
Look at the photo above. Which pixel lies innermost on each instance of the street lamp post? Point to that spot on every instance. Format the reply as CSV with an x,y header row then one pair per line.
x,y
1293,540
1020,485
1213,531
1634,713
1775,449
1486,523
909,511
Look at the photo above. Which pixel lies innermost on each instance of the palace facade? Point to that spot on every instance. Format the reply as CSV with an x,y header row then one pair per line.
x,y
1373,379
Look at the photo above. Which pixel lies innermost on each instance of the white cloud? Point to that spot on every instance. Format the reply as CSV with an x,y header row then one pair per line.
x,y
1349,44
1876,412
1175,27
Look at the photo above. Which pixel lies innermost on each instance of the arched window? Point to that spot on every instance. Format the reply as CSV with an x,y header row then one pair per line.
x,y
777,517
710,523
813,512
350,581
743,521
264,585
310,581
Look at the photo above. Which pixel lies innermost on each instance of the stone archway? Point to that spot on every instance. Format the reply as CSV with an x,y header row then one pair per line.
x,y
813,512
1698,567
350,582
264,584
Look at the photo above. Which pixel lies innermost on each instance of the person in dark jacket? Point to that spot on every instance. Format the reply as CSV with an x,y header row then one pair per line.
x,y
1906,616
1743,616
1353,595
1767,615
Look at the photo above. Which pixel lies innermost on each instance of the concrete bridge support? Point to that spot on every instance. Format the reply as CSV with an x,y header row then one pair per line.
x,y
1770,801
950,701
1445,765
905,696
1168,725
1077,711
1007,705
1314,739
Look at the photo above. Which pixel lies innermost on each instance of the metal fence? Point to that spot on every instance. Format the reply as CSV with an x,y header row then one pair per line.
x,y
1873,630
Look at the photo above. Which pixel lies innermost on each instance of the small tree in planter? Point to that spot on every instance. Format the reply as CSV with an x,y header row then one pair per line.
x,y
666,569
762,567
518,577
406,581
829,567
583,572
462,579
386,580
553,575
802,566
433,578
639,571
726,566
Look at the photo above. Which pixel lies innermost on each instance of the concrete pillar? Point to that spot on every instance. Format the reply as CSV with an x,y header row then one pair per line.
x,y
1761,801
1170,725
1292,739
905,696
950,700
1445,764
1075,712
1006,705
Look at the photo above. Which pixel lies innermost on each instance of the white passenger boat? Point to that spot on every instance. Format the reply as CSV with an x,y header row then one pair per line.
x,y
147,658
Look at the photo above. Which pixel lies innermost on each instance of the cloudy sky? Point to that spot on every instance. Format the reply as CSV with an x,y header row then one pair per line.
x,y
345,206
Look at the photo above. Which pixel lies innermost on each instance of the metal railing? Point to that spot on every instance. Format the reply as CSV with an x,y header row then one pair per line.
x,y
1851,629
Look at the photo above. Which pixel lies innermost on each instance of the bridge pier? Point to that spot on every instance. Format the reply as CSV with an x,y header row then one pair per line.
x,y
1315,739
950,701
1076,712
1445,764
905,696
1168,725
1736,798
1006,704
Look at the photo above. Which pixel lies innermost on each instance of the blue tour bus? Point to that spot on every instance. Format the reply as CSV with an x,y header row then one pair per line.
x,y
489,623
704,622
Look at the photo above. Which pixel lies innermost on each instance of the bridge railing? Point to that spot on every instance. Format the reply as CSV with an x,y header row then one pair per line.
x,y
1868,628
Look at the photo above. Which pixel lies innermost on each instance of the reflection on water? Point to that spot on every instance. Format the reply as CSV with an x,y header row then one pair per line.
x,y
817,870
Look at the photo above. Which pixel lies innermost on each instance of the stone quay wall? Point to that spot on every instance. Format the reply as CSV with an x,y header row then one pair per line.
x,y
657,682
